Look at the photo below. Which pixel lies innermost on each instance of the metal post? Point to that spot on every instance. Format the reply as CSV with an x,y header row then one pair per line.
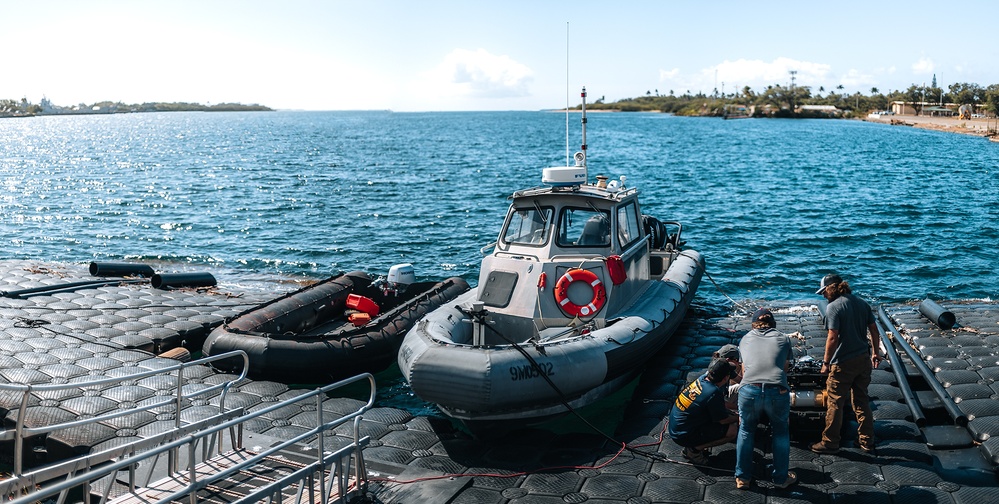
x,y
586,175
192,472
320,449
173,456
19,434
478,326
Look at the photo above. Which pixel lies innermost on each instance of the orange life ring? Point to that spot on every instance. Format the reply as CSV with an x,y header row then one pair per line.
x,y
580,275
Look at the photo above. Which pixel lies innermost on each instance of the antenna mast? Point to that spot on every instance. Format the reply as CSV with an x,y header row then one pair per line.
x,y
567,94
583,95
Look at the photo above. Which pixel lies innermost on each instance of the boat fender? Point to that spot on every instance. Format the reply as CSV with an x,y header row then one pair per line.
x,y
580,275
364,304
615,266
542,281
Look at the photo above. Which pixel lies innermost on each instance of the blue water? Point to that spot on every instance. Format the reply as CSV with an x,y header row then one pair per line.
x,y
773,205
901,213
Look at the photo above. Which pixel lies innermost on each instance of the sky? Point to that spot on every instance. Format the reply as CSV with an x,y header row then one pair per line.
x,y
438,55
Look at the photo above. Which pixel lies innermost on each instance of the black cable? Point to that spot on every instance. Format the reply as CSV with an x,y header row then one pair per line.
x,y
736,303
480,317
65,287
30,323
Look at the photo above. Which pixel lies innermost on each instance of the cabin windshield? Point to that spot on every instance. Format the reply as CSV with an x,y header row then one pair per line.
x,y
528,226
584,227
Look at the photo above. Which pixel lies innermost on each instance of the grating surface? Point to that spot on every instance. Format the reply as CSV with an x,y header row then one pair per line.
x,y
111,330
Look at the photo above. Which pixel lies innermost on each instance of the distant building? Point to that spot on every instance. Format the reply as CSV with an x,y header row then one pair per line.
x,y
829,110
924,108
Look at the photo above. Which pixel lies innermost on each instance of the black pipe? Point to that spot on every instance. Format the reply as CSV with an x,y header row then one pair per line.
x,y
63,287
955,413
898,369
116,269
937,314
165,280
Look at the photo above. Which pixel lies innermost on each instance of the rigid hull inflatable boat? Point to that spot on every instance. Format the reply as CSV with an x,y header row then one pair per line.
x,y
580,290
333,329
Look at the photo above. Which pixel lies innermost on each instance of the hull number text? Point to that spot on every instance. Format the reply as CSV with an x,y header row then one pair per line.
x,y
528,371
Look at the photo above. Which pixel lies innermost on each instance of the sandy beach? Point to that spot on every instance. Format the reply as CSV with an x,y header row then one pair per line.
x,y
978,126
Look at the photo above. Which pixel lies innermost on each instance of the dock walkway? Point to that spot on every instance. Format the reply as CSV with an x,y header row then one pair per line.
x,y
106,330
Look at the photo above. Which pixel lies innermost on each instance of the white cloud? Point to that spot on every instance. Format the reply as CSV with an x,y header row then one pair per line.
x,y
885,71
480,74
923,66
470,80
756,74
855,79
666,75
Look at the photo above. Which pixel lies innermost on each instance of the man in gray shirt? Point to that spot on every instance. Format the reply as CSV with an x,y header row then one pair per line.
x,y
766,355
852,351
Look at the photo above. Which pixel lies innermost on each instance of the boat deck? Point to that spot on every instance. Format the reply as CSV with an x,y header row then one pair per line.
x,y
64,336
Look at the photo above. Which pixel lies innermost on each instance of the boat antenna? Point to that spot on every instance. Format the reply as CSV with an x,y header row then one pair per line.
x,y
566,94
582,154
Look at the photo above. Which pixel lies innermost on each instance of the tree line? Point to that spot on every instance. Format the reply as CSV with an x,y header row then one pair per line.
x,y
785,101
24,108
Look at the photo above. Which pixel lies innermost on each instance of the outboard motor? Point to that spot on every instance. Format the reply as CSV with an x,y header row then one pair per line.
x,y
399,278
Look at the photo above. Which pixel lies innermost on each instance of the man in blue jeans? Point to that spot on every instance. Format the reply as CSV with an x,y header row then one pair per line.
x,y
766,355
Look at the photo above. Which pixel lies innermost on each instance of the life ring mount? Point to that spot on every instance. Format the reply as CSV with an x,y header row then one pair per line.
x,y
580,275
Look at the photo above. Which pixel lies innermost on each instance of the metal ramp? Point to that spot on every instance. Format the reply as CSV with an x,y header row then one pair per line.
x,y
212,460
273,478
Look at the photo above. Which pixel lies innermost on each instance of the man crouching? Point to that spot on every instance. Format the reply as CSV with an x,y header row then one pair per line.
x,y
699,418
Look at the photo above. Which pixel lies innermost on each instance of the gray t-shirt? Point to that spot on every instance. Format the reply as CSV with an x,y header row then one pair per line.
x,y
764,355
849,315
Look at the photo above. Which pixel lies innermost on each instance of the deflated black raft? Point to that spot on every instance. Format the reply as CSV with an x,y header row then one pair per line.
x,y
308,337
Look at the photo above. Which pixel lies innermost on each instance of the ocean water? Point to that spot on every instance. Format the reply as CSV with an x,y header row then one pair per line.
x,y
773,205
901,213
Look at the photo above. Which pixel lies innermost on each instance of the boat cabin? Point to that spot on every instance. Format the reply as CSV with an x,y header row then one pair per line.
x,y
569,256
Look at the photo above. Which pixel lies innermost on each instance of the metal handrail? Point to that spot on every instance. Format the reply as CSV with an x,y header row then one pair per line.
x,y
191,441
21,431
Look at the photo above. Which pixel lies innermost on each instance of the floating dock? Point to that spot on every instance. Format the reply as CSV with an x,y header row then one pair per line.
x,y
944,449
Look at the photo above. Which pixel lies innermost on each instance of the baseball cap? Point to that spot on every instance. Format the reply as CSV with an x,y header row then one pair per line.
x,y
828,280
728,351
720,368
762,315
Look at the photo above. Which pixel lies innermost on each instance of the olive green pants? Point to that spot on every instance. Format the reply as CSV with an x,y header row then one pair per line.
x,y
849,379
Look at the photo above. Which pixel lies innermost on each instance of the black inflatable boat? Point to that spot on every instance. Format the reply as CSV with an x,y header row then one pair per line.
x,y
335,328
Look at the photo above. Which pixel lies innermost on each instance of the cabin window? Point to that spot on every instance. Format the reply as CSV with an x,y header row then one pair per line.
x,y
628,228
528,226
584,227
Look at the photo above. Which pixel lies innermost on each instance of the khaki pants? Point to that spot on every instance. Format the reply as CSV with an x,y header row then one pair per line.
x,y
849,378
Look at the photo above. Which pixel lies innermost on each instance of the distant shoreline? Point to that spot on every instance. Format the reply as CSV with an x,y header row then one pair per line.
x,y
976,127
11,108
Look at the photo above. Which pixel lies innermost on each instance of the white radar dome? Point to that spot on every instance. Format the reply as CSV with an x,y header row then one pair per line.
x,y
563,176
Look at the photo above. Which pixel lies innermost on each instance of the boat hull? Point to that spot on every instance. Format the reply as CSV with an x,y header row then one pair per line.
x,y
536,380
304,337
